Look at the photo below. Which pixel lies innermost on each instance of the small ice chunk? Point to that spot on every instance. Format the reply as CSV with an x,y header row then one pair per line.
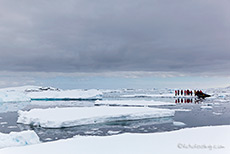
x,y
113,132
206,107
177,123
4,123
216,113
11,127
182,110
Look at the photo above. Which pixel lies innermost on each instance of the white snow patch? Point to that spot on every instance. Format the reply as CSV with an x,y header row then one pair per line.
x,y
190,140
132,102
67,117
18,139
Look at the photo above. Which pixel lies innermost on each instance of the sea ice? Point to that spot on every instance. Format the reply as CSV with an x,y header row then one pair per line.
x,y
132,102
190,140
66,95
177,123
206,107
11,96
18,139
67,117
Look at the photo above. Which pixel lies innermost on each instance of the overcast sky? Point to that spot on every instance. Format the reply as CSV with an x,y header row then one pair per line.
x,y
85,36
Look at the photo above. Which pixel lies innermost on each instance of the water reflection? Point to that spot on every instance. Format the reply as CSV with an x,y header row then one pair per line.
x,y
189,100
104,129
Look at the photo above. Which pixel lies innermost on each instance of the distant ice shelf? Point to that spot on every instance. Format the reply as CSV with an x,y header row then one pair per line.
x,y
68,117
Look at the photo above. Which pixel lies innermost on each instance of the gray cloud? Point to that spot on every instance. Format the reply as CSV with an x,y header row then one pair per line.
x,y
123,35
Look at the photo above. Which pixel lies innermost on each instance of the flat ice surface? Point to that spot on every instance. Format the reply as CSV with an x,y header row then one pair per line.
x,y
26,93
67,94
67,117
203,140
132,102
18,139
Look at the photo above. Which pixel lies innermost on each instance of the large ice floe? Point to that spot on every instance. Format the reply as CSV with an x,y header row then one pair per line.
x,y
28,93
66,95
214,140
132,102
68,117
18,139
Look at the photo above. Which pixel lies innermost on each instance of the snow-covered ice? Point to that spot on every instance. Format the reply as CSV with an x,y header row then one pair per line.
x,y
67,117
18,139
215,140
28,93
12,106
132,102
12,96
65,95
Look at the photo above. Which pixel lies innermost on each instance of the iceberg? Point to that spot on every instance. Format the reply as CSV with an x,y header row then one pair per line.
x,y
18,139
132,103
190,140
68,117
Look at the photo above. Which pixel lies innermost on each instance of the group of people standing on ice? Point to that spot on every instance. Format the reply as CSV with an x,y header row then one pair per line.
x,y
186,92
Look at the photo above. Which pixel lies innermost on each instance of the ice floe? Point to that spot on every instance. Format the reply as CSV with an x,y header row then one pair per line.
x,y
66,95
190,140
18,139
177,123
206,107
28,93
67,117
132,102
217,113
